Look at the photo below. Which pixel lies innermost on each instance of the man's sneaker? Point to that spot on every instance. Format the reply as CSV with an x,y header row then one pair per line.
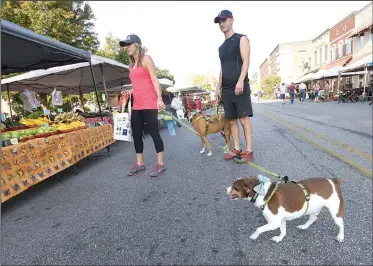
x,y
230,157
245,156
158,170
135,169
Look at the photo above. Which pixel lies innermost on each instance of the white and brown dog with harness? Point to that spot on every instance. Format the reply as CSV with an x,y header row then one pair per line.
x,y
281,202
209,125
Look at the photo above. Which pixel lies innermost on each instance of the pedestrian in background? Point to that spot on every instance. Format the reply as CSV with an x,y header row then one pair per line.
x,y
302,91
317,91
292,92
282,92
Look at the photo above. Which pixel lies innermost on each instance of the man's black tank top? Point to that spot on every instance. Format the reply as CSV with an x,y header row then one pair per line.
x,y
231,62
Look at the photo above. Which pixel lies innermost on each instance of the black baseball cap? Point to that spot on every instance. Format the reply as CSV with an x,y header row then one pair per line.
x,y
130,39
223,15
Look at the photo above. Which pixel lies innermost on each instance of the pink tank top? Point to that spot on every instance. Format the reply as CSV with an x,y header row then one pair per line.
x,y
143,91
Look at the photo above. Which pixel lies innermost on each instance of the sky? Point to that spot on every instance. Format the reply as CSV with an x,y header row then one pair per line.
x,y
182,37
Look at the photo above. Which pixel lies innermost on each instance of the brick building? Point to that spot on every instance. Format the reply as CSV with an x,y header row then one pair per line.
x,y
340,44
361,38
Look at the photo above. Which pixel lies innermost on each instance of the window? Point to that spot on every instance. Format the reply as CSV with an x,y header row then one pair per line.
x,y
340,50
315,58
333,52
348,46
361,46
320,55
326,52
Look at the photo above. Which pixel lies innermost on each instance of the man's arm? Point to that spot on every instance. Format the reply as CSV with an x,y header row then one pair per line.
x,y
218,89
245,56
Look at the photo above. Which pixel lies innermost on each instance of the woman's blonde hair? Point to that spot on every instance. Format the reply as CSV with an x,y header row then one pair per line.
x,y
140,53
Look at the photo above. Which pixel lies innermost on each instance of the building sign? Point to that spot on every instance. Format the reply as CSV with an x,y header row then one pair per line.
x,y
339,31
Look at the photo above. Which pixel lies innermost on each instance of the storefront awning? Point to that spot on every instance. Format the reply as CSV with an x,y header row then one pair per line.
x,y
359,30
359,63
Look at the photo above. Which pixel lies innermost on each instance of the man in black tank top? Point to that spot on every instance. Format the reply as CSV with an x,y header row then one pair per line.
x,y
233,85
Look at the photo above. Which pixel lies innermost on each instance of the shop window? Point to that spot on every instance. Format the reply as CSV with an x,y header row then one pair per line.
x,y
326,52
361,46
348,46
320,55
315,58
340,50
333,52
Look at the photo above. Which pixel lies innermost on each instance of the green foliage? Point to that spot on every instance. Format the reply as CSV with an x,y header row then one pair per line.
x,y
269,84
113,51
164,73
203,82
70,22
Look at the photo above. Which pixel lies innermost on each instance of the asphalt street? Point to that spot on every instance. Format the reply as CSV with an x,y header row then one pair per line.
x,y
102,216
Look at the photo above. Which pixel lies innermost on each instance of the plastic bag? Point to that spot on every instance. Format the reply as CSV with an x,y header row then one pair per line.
x,y
57,98
176,103
171,127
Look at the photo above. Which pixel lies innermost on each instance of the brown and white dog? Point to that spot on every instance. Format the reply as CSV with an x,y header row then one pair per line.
x,y
210,125
288,201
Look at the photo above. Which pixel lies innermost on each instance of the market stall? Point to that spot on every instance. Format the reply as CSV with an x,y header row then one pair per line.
x,y
30,162
37,147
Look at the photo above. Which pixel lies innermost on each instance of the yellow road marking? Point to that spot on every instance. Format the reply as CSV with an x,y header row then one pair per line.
x,y
337,143
365,171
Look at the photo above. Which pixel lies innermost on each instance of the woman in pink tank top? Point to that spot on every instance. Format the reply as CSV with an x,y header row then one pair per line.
x,y
147,99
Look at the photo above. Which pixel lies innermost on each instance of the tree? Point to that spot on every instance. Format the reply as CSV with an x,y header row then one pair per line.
x,y
164,73
203,81
70,22
269,84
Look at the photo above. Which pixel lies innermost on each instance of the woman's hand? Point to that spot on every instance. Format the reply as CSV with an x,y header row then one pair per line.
x,y
161,104
126,93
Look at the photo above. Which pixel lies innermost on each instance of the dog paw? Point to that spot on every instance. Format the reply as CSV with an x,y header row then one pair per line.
x,y
254,236
302,226
276,239
209,154
340,238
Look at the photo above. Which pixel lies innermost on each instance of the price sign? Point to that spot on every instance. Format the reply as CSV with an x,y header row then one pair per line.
x,y
3,118
59,110
47,112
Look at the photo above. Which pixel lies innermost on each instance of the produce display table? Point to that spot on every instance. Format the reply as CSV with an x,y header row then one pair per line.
x,y
30,162
90,120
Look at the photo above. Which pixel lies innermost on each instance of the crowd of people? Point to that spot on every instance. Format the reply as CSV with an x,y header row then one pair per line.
x,y
302,92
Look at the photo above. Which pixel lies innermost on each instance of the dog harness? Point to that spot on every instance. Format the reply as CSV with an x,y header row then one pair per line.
x,y
206,120
306,195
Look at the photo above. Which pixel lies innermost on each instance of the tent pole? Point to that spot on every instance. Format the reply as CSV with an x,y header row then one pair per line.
x,y
365,78
107,95
109,107
81,98
10,102
96,92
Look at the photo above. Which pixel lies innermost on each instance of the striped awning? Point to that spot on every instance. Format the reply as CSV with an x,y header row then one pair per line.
x,y
357,31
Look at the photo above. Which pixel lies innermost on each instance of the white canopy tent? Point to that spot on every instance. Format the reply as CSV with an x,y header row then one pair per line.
x,y
165,83
188,88
72,79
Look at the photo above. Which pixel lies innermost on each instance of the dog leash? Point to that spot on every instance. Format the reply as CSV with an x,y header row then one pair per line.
x,y
258,167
